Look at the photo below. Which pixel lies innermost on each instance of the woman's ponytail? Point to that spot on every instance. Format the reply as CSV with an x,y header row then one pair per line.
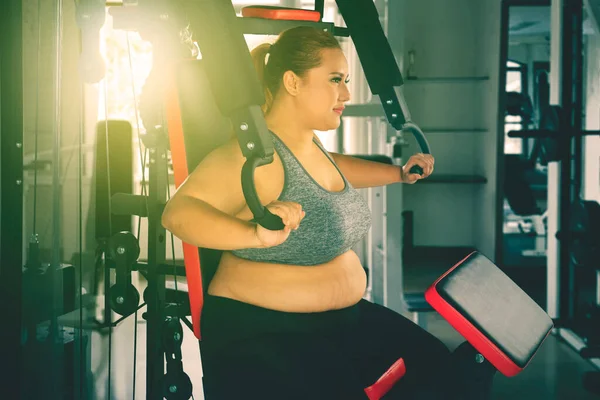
x,y
259,57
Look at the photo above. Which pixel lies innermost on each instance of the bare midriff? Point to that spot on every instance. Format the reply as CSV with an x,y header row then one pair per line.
x,y
336,284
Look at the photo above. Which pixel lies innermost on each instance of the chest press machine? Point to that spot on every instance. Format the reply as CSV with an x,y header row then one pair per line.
x,y
203,99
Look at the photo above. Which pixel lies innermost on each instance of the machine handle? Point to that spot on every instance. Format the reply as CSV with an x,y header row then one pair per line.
x,y
262,215
421,140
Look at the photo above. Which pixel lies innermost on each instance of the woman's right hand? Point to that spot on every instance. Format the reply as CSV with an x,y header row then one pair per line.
x,y
290,213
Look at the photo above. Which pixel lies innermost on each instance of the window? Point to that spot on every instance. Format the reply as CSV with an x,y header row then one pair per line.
x,y
516,81
117,94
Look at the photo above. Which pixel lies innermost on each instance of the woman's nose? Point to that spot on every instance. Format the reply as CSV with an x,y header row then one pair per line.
x,y
345,93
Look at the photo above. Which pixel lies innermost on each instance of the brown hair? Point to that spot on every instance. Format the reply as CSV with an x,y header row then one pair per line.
x,y
297,50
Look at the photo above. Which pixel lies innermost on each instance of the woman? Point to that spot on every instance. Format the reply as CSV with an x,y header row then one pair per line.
x,y
284,316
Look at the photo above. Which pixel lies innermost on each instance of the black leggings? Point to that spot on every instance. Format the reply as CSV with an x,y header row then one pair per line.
x,y
250,352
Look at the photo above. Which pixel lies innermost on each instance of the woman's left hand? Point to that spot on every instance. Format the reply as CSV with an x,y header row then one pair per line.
x,y
425,161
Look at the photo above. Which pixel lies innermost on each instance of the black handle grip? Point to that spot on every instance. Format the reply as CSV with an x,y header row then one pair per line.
x,y
262,215
416,170
270,221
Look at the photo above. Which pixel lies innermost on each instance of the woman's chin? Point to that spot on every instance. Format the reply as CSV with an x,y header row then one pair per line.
x,y
329,125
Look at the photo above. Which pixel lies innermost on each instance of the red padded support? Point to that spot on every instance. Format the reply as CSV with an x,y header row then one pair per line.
x,y
479,341
290,14
191,255
383,385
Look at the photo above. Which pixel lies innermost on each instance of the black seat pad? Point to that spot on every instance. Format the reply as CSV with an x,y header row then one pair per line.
x,y
499,319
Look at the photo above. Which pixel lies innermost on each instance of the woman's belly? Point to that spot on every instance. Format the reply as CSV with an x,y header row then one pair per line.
x,y
290,288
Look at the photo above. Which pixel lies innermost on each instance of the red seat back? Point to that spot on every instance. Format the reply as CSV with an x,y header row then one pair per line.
x,y
196,127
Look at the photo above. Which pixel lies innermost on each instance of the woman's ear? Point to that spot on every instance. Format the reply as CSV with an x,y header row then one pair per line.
x,y
291,82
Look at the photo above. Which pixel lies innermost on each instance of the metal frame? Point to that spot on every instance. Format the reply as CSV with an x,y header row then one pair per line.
x,y
156,289
257,26
11,194
571,102
566,89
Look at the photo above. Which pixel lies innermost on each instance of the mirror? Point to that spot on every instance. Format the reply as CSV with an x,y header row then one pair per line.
x,y
526,65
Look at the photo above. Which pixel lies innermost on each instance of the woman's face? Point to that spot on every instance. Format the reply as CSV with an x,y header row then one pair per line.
x,y
323,91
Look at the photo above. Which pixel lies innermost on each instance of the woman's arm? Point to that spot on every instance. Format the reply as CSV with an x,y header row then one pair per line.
x,y
197,222
202,210
364,174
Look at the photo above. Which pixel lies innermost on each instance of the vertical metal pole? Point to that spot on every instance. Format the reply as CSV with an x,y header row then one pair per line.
x,y
571,123
566,74
565,148
54,336
393,283
56,195
371,238
320,7
56,186
383,248
554,168
500,178
339,133
156,282
598,288
576,117
11,195
576,57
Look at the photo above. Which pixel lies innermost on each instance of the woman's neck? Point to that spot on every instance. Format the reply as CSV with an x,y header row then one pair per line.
x,y
284,122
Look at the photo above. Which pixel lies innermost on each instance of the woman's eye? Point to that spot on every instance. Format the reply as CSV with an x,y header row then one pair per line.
x,y
338,80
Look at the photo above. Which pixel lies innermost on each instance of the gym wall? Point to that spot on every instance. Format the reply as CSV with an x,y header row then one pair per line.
x,y
454,39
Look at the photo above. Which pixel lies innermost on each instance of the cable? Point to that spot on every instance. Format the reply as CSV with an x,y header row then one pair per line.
x,y
107,283
137,122
173,248
135,327
37,119
80,205
143,184
172,239
171,233
54,333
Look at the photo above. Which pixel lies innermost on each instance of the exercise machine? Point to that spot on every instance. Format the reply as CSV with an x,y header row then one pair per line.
x,y
239,106
203,103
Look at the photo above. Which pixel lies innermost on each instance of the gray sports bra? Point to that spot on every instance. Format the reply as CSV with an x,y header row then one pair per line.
x,y
334,221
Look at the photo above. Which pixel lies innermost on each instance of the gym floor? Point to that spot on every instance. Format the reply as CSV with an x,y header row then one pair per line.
x,y
555,373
